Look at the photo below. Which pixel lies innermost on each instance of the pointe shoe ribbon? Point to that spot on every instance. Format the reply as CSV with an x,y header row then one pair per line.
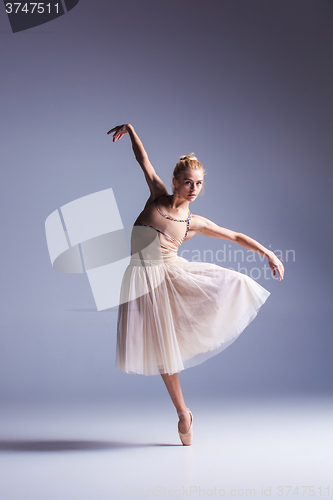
x,y
187,437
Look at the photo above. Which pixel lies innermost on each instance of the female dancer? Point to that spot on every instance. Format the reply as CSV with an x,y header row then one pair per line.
x,y
173,313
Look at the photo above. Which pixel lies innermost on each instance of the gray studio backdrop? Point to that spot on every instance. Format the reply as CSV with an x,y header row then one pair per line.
x,y
246,86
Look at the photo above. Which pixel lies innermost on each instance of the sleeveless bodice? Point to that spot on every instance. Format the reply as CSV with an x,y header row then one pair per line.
x,y
157,234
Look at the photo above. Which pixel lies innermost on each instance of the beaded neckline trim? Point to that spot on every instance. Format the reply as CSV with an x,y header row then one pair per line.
x,y
168,216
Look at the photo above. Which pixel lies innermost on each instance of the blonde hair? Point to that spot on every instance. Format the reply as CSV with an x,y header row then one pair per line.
x,y
184,163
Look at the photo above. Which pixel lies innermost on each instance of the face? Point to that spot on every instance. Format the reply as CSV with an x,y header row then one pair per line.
x,y
190,184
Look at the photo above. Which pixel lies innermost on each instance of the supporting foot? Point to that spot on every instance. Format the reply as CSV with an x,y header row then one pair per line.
x,y
185,427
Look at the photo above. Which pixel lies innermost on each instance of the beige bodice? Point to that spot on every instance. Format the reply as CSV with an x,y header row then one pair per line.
x,y
156,234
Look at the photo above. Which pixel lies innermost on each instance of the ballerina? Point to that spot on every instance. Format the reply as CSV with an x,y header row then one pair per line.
x,y
173,313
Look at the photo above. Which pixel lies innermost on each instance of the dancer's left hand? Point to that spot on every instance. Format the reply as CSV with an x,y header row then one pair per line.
x,y
276,266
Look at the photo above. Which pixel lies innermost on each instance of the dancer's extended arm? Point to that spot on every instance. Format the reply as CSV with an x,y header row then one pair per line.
x,y
201,225
155,184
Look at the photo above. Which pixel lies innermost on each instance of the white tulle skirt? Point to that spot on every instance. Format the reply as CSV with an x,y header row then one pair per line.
x,y
175,314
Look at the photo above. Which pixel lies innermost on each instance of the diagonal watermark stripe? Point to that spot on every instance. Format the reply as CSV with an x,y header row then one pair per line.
x,y
93,224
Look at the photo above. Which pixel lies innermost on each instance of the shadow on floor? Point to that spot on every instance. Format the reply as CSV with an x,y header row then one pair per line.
x,y
71,445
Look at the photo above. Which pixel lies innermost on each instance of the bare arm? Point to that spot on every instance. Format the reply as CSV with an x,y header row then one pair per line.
x,y
201,225
155,184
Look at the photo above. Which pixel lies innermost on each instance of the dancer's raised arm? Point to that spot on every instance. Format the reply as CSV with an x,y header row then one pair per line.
x,y
155,184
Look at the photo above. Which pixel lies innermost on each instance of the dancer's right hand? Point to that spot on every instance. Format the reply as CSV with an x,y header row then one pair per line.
x,y
119,131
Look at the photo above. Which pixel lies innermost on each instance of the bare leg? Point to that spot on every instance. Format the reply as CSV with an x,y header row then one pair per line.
x,y
173,386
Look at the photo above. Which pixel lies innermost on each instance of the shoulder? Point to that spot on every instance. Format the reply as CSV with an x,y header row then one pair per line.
x,y
157,188
198,222
155,196
197,225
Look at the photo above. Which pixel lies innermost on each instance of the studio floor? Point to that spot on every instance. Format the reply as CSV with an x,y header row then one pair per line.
x,y
275,448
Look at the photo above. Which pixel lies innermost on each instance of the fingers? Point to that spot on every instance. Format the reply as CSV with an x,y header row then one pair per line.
x,y
281,274
119,131
280,271
277,269
117,136
115,129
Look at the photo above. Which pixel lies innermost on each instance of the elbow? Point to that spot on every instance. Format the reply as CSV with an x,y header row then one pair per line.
x,y
238,237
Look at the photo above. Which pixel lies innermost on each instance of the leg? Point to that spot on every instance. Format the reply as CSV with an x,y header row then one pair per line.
x,y
173,386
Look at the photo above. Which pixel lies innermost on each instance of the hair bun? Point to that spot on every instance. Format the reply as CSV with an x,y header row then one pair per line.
x,y
188,157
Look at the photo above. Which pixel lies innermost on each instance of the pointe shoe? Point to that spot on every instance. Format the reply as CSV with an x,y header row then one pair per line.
x,y
187,437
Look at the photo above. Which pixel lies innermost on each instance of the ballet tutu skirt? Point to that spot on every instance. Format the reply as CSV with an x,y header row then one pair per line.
x,y
174,314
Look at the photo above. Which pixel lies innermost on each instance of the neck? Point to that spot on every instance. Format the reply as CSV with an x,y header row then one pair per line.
x,y
176,202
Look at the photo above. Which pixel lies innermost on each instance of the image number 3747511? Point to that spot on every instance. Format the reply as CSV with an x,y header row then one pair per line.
x,y
26,15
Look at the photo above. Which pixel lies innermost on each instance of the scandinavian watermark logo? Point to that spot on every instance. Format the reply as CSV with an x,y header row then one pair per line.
x,y
243,261
26,15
